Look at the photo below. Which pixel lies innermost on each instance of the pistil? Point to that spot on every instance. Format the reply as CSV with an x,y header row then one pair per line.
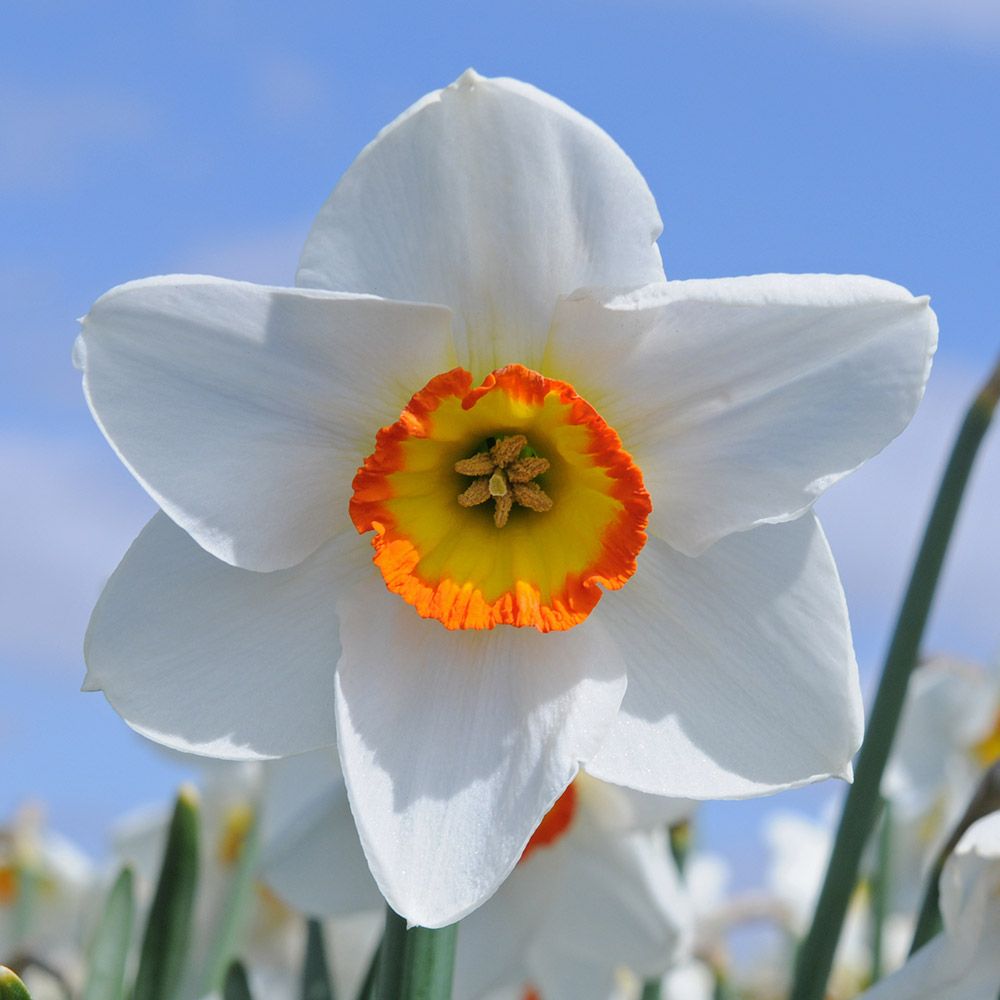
x,y
501,474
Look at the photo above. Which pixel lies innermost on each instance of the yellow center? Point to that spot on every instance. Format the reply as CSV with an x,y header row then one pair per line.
x,y
987,750
578,523
235,830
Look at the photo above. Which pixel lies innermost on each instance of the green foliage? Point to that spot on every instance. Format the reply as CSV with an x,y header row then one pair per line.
x,y
315,970
168,929
235,985
110,946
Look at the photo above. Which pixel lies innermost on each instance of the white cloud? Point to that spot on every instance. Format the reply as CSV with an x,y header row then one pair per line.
x,y
69,513
268,257
975,22
48,137
287,90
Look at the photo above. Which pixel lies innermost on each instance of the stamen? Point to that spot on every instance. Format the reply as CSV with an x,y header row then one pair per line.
x,y
532,496
525,469
477,493
504,476
480,464
502,511
507,449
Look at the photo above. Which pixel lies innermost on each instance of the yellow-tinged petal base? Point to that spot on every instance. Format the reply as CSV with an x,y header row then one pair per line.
x,y
544,568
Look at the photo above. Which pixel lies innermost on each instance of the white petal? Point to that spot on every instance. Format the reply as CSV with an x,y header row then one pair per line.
x,y
618,903
313,858
245,411
939,971
492,198
214,660
454,744
742,679
496,937
743,399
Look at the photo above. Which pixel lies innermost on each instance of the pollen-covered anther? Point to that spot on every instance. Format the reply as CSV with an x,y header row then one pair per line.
x,y
504,476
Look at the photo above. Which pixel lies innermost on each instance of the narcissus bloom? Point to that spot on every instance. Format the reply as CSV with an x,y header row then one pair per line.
x,y
47,887
963,961
595,892
586,492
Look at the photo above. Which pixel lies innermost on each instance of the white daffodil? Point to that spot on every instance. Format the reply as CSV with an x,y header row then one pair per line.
x,y
46,897
949,733
800,850
594,892
963,961
406,504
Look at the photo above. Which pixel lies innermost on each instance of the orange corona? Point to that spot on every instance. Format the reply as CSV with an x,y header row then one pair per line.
x,y
577,526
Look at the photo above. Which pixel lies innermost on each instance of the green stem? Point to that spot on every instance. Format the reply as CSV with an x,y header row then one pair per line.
x,y
651,991
861,805
881,887
416,963
230,921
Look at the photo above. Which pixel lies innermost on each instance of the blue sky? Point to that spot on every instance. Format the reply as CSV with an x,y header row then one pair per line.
x,y
203,135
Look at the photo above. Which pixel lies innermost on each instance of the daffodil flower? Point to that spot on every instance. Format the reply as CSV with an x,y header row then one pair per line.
x,y
595,891
963,961
800,849
47,894
654,600
949,733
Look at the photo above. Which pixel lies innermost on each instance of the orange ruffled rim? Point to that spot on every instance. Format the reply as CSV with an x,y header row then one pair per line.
x,y
562,560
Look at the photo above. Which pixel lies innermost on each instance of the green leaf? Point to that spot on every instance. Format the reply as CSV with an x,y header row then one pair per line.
x,y
416,963
110,946
316,983
11,987
168,929
862,803
235,985
370,983
233,915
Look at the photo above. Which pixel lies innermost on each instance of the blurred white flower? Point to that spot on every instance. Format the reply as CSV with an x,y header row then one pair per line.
x,y
595,891
800,849
963,961
47,888
948,734
248,620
